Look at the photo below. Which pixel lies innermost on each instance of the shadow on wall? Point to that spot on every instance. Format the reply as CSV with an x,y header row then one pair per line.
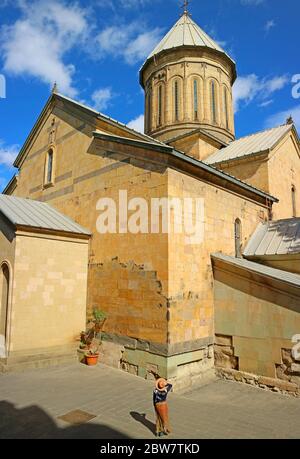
x,y
32,423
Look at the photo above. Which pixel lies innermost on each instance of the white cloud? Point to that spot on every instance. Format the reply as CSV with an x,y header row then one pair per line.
x,y
266,103
8,154
126,4
251,87
281,117
101,98
137,124
269,25
36,44
131,41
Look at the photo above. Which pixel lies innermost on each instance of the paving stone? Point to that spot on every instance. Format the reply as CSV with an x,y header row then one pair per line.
x,y
32,401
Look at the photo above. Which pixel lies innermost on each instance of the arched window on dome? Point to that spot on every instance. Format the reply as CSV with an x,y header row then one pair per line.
x,y
196,98
149,111
226,113
176,100
160,106
214,110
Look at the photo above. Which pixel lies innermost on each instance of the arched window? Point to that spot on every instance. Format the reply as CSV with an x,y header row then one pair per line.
x,y
294,201
50,166
226,108
238,238
4,299
159,105
149,111
214,112
176,100
196,99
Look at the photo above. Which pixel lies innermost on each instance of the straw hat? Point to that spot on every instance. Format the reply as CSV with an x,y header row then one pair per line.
x,y
159,382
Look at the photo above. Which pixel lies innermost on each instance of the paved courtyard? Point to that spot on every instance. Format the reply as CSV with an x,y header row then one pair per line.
x,y
120,406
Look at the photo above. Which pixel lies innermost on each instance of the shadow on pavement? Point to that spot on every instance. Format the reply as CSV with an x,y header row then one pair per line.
x,y
142,419
32,422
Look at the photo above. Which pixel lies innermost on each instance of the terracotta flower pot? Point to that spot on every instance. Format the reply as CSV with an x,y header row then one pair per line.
x,y
91,360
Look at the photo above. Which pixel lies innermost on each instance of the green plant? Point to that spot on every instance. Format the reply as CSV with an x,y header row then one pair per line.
x,y
98,316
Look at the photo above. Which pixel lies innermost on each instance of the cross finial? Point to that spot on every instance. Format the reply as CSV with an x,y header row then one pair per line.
x,y
185,6
54,88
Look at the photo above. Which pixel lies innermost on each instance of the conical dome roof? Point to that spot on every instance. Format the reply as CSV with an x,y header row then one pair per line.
x,y
186,33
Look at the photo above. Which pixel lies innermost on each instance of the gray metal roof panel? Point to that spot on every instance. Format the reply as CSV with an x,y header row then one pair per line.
x,y
253,144
278,274
36,214
186,33
281,237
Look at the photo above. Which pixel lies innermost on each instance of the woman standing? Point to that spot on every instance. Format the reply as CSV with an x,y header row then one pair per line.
x,y
160,393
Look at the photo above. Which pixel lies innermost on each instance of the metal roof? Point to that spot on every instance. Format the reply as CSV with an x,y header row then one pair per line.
x,y
36,214
87,109
257,268
253,144
281,237
178,154
186,33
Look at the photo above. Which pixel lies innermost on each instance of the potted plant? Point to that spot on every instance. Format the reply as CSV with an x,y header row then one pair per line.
x,y
90,340
99,318
91,357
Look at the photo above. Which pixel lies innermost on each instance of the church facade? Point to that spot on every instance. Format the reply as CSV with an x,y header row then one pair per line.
x,y
177,306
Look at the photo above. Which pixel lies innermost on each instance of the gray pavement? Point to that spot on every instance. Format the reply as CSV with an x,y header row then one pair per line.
x,y
121,407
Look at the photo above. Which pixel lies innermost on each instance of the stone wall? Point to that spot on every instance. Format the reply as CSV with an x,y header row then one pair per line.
x,y
156,289
48,292
284,171
255,320
275,173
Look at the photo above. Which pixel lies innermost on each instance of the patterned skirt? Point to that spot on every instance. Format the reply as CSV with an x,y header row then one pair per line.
x,y
162,417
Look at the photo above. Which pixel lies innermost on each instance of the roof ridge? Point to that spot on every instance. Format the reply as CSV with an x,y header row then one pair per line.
x,y
261,132
120,123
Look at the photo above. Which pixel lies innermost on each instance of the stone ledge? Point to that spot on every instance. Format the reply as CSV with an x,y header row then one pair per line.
x,y
262,382
165,350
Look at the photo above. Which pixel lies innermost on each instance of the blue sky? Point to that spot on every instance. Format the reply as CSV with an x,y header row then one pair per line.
x,y
94,49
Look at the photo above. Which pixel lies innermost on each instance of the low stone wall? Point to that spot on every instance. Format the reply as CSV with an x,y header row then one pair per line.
x,y
184,370
263,382
287,380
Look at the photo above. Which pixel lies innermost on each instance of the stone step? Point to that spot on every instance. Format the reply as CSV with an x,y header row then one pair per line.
x,y
18,362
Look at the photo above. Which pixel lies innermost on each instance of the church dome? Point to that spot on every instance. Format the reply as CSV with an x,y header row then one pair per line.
x,y
186,33
188,81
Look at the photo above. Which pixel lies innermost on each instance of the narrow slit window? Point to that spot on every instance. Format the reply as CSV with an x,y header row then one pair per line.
x,y
50,166
176,100
294,202
238,238
213,102
149,112
196,100
160,105
226,108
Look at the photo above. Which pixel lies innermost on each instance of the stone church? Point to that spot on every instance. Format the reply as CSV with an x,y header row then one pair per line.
x,y
230,303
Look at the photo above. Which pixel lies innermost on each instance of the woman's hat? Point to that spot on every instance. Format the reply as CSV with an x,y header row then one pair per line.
x,y
160,382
